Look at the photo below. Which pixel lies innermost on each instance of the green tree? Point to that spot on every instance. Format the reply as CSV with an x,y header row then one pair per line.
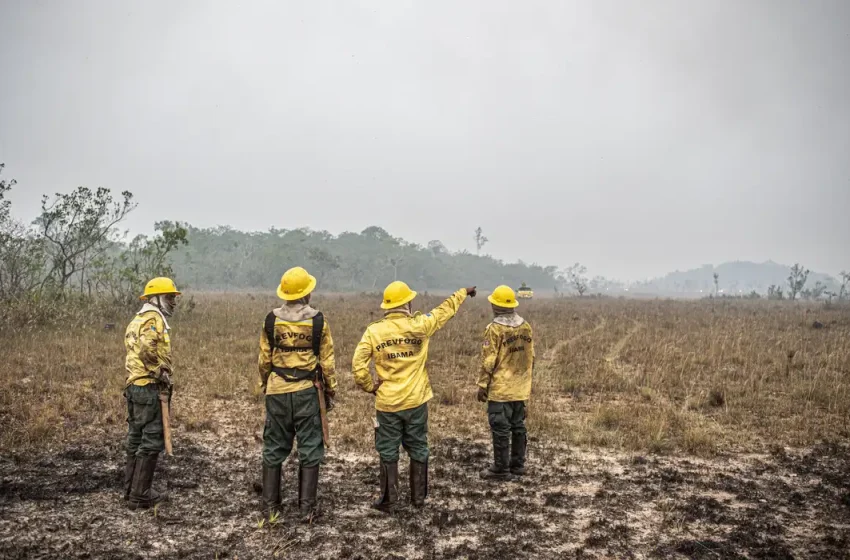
x,y
797,281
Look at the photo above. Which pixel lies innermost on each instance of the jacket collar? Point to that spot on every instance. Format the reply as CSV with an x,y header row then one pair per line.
x,y
151,307
512,320
295,312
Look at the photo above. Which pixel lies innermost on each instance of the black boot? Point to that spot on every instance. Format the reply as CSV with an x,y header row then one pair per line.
x,y
499,470
129,470
308,484
519,444
389,487
418,482
142,495
270,502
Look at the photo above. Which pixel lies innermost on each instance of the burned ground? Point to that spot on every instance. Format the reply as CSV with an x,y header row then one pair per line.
x,y
574,503
659,430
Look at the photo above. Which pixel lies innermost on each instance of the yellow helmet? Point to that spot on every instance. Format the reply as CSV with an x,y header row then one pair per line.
x,y
295,284
159,286
397,294
503,296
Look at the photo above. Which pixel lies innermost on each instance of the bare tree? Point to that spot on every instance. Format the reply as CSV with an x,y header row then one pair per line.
x,y
480,240
844,290
797,281
575,276
716,284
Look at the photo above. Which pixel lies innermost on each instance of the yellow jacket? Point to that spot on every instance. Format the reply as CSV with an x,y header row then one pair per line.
x,y
398,343
507,359
294,326
148,344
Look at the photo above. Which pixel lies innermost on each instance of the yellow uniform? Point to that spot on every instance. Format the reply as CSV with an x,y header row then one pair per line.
x,y
398,343
507,358
148,344
295,351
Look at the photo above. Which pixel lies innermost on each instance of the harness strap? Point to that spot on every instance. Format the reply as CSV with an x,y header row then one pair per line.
x,y
293,374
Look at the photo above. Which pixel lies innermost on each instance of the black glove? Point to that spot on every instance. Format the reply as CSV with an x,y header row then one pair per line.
x,y
376,386
329,400
482,395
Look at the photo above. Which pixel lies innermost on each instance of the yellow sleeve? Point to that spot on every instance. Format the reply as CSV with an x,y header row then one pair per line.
x,y
327,360
265,359
489,356
149,337
360,364
440,315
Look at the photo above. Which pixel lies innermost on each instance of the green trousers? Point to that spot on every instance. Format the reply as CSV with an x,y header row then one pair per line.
x,y
144,420
290,417
408,428
506,418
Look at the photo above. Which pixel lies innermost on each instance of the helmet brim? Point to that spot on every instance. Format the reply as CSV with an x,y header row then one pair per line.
x,y
143,297
303,293
410,297
502,304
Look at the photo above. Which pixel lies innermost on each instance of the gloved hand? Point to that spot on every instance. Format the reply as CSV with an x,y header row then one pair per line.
x,y
376,386
329,400
472,291
482,395
165,380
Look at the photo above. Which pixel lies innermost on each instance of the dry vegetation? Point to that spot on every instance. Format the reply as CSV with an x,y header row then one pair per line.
x,y
719,382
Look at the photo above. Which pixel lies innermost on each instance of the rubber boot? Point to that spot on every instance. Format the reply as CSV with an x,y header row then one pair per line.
x,y
142,495
389,487
308,484
500,469
418,482
519,444
129,470
270,502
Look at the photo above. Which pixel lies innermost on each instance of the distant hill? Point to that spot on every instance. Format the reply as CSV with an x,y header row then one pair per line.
x,y
734,277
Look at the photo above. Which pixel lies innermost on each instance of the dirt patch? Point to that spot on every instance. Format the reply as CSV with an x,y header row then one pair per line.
x,y
573,503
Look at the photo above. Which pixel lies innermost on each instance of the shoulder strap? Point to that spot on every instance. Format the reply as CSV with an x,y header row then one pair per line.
x,y
268,326
318,329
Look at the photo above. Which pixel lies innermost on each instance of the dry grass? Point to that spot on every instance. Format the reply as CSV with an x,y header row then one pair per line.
x,y
659,376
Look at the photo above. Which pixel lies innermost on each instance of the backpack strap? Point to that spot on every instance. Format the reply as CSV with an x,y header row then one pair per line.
x,y
291,374
318,330
268,327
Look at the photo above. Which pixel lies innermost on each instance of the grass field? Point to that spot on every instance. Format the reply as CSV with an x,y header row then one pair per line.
x,y
712,402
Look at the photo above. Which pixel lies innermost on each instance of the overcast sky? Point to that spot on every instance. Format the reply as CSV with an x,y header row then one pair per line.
x,y
636,137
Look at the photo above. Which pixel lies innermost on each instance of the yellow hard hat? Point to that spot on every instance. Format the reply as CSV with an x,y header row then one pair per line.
x,y
397,294
295,283
503,296
159,286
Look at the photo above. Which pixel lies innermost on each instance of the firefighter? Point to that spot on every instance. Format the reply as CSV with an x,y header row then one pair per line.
x,y
149,369
296,370
398,344
504,383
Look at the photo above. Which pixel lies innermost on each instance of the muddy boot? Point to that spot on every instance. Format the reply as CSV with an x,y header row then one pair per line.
x,y
418,482
499,470
270,502
142,495
519,443
129,470
389,487
308,484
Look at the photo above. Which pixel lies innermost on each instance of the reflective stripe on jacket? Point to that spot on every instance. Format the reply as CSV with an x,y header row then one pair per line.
x,y
398,344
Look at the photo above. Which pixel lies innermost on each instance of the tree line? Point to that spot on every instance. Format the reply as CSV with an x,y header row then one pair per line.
x,y
227,259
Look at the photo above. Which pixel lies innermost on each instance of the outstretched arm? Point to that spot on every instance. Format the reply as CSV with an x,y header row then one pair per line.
x,y
440,315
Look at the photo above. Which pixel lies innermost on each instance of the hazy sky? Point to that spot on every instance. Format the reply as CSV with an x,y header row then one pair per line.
x,y
634,136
